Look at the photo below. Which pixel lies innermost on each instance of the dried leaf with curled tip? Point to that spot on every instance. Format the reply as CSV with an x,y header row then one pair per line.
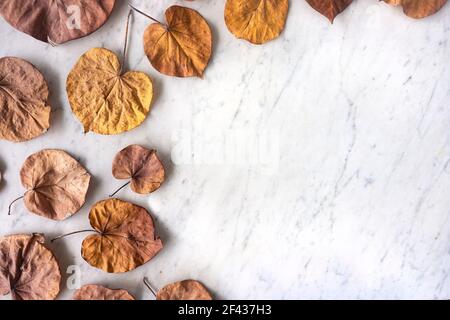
x,y
97,292
105,100
257,21
140,165
56,21
24,109
184,290
183,47
56,184
125,237
28,270
419,9
330,8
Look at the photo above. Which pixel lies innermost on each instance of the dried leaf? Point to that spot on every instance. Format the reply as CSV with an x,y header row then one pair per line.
x,y
183,47
125,239
28,270
24,109
104,100
419,9
56,184
184,290
330,8
140,165
257,21
56,21
97,292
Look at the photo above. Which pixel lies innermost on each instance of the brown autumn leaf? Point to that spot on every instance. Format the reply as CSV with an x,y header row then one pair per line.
x,y
56,184
330,8
183,47
141,166
125,237
418,9
105,100
257,21
28,270
24,109
56,21
97,292
184,290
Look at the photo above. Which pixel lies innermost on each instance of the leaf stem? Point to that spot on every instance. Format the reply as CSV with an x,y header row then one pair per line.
x,y
149,286
71,233
11,204
125,46
145,15
117,191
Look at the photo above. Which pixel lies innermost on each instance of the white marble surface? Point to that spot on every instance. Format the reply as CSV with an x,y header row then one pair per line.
x,y
316,166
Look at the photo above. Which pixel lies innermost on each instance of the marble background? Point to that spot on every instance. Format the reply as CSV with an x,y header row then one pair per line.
x,y
316,166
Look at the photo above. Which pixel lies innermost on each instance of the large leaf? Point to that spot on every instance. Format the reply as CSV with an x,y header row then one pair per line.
x,y
28,270
125,237
419,8
257,21
24,109
56,184
183,47
56,21
105,100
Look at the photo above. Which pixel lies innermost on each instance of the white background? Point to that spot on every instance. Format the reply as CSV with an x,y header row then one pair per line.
x,y
315,166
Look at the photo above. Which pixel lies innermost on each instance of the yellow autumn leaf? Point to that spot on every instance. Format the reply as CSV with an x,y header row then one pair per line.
x,y
105,100
257,21
183,47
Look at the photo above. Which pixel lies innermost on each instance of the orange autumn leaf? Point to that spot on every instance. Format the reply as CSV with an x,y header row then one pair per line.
x,y
106,101
257,21
418,9
183,47
125,237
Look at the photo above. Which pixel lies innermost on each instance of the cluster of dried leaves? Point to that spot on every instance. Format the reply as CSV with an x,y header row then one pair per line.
x,y
109,101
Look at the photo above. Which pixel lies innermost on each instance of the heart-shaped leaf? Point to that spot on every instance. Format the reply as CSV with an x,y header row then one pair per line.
x,y
183,47
24,109
257,21
105,100
419,9
56,21
56,184
97,292
141,166
125,237
330,8
28,270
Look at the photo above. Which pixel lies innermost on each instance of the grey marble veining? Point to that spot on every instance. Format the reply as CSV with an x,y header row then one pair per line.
x,y
316,166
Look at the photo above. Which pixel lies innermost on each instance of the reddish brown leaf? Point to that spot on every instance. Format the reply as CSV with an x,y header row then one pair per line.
x,y
330,8
24,109
28,270
56,21
141,166
56,184
97,292
184,290
419,9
